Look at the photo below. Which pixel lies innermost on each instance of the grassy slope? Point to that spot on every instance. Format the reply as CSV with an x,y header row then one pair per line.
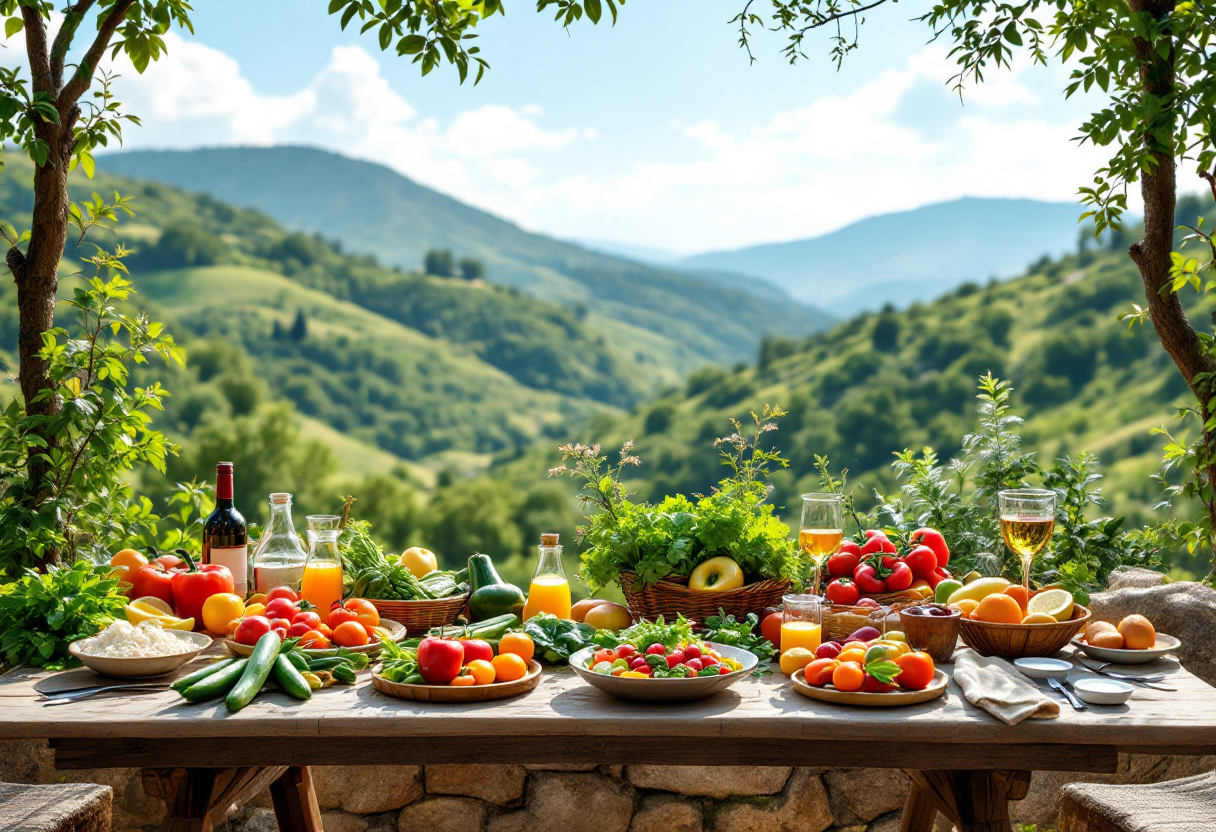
x,y
374,210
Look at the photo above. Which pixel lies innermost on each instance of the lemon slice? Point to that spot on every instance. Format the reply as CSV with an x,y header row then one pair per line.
x,y
155,603
1039,618
1057,603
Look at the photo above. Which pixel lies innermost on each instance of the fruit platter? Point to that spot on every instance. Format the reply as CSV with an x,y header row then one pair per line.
x,y
447,669
1133,641
354,625
653,661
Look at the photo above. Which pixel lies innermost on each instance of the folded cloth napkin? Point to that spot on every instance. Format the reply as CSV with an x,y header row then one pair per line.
x,y
996,686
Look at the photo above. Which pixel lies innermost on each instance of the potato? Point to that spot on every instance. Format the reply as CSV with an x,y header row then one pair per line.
x,y
609,616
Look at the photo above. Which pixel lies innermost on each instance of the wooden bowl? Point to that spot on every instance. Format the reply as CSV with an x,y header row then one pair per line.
x,y
395,629
892,699
936,635
1016,641
447,693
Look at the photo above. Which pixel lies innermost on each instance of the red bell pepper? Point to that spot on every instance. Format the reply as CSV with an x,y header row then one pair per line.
x,y
193,587
153,580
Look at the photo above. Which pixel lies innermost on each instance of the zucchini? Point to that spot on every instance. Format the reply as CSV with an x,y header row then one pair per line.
x,y
200,674
491,595
256,672
289,678
216,684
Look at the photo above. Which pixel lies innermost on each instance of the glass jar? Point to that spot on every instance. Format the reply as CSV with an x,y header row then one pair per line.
x,y
801,622
279,557
322,582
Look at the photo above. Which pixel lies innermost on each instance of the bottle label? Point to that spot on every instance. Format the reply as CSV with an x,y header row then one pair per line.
x,y
236,559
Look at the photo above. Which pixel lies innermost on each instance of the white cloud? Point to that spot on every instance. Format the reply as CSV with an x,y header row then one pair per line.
x,y
692,185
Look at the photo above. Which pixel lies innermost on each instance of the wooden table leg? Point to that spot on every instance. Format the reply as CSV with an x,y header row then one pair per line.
x,y
295,802
920,812
196,799
975,801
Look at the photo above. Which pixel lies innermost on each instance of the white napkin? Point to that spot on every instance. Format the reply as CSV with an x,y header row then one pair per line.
x,y
996,686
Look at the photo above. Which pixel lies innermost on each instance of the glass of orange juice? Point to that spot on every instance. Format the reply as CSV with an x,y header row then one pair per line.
x,y
322,583
801,622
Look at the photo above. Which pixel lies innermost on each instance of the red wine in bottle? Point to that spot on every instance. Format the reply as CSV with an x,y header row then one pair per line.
x,y
224,534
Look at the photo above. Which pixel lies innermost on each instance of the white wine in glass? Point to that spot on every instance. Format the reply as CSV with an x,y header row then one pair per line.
x,y
822,529
1028,518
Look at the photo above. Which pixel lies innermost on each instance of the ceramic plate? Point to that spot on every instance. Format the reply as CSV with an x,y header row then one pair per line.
x,y
447,693
144,668
1039,667
871,700
1103,691
665,690
1165,644
396,629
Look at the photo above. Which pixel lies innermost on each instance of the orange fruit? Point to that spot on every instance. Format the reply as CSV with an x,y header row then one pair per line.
x,y
1112,640
463,682
509,667
518,644
852,655
1018,593
848,677
350,634
126,563
915,670
999,608
1138,632
481,671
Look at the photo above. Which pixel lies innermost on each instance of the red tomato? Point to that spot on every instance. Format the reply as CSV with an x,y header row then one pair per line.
x,y
842,564
281,631
934,540
170,562
770,628
282,592
877,542
299,629
352,634
281,608
638,664
251,629
695,664
153,580
850,547
922,561
900,577
313,640
340,615
625,651
915,670
475,648
710,661
842,591
656,650
307,617
692,651
867,581
723,670
675,657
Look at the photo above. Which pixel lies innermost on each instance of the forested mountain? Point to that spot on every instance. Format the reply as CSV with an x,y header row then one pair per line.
x,y
908,256
671,319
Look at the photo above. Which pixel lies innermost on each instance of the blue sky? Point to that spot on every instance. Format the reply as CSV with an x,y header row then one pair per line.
x,y
656,132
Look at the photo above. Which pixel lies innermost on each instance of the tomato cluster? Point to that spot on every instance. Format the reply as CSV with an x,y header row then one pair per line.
x,y
876,566
352,624
658,661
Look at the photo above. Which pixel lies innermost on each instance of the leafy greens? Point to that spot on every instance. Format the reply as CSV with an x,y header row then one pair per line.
x,y
556,639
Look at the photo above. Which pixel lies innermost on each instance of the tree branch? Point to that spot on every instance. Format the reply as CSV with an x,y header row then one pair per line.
x,y
36,48
836,17
64,38
83,76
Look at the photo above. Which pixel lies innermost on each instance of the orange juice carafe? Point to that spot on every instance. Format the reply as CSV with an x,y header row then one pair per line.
x,y
322,583
550,591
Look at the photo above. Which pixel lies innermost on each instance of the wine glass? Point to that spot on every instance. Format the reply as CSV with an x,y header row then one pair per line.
x,y
1028,517
822,528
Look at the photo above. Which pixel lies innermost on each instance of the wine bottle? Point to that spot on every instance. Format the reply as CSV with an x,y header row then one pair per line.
x,y
224,534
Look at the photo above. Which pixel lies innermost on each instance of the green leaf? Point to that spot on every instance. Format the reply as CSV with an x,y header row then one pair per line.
x,y
12,26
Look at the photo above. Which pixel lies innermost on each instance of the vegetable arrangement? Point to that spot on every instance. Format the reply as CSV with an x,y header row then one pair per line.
x,y
672,538
873,564
726,629
375,575
658,650
557,639
464,662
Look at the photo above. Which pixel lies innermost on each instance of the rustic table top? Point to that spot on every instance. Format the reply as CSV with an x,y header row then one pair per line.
x,y
757,717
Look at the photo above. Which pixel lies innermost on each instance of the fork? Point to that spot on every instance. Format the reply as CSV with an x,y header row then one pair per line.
x,y
1076,703
1145,681
84,693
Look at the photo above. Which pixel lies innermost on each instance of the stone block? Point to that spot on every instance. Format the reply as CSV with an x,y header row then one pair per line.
x,y
495,784
801,807
342,822
666,813
365,790
863,794
552,797
441,814
710,781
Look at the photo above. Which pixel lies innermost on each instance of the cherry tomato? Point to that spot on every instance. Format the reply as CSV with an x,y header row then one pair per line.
x,y
281,607
709,661
675,657
604,655
308,617
638,664
723,670
625,651
656,650
842,591
695,664
934,540
692,651
282,592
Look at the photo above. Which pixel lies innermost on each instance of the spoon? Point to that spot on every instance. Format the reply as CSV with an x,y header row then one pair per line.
x,y
1076,703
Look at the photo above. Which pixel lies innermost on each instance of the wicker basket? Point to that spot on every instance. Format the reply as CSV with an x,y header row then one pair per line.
x,y
840,621
1016,641
669,598
422,615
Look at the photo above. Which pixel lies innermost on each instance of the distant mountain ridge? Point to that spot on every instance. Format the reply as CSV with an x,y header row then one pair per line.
x,y
671,318
908,256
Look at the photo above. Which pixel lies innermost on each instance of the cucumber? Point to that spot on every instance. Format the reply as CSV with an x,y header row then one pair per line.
x,y
289,678
479,629
301,663
256,672
200,674
345,674
216,684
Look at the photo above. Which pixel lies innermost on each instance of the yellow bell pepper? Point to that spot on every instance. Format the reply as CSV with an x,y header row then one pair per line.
x,y
716,575
633,674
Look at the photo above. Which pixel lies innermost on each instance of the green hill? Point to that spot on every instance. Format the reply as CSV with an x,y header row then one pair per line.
x,y
671,319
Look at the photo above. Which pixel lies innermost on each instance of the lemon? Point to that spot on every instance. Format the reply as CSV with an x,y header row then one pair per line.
x,y
1057,603
155,603
795,659
1039,618
139,611
978,590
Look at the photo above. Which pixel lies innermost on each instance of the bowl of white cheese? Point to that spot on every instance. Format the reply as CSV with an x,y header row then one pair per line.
x,y
138,652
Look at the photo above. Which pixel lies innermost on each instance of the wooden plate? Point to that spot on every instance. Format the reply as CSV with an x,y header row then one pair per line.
x,y
872,700
447,693
396,629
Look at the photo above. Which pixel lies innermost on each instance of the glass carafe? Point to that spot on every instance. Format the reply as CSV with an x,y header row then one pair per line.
x,y
322,584
279,557
550,590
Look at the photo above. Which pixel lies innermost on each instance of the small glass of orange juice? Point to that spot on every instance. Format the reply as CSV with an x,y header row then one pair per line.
x,y
322,582
801,622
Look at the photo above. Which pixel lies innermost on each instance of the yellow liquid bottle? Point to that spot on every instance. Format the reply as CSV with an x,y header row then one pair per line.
x,y
800,634
550,590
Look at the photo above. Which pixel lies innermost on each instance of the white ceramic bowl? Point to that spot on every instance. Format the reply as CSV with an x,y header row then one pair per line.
x,y
144,668
1102,691
1165,644
665,690
1039,667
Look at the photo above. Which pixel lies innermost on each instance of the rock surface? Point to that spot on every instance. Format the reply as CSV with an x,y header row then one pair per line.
x,y
553,797
665,813
441,814
1183,609
1133,577
365,790
864,794
343,822
502,785
801,807
710,781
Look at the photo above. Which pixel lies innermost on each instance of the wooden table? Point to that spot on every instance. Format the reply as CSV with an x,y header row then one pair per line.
x,y
961,761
